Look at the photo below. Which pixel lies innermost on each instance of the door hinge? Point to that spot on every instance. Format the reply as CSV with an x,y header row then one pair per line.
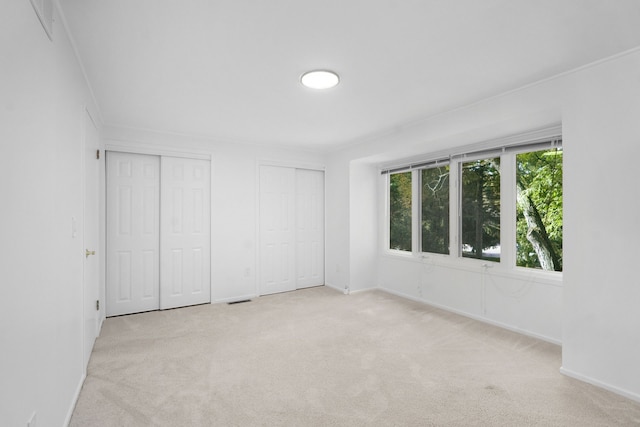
x,y
97,305
98,154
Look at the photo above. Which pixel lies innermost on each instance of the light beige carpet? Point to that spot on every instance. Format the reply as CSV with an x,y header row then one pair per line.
x,y
319,358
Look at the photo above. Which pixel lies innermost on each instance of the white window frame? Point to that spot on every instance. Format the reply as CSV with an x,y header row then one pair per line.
x,y
507,265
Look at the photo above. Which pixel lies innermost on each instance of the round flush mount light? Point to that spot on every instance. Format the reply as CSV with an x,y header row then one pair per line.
x,y
319,79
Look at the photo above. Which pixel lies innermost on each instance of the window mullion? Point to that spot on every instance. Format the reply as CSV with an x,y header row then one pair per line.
x,y
387,212
508,210
416,212
455,204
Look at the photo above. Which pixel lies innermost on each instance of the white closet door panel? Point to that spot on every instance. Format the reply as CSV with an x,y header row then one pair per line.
x,y
133,238
185,269
277,230
309,220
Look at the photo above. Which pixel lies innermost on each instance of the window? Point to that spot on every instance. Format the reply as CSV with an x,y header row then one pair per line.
x,y
504,192
539,209
480,208
400,211
435,209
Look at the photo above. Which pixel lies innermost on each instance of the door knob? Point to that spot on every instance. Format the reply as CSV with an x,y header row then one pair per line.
x,y
87,252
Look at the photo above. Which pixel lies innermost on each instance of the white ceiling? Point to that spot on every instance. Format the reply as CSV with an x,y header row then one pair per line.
x,y
229,69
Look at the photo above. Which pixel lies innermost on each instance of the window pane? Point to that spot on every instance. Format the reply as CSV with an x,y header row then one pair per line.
x,y
539,209
481,209
400,211
435,210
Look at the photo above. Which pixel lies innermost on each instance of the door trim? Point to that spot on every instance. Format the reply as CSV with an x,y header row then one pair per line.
x,y
98,237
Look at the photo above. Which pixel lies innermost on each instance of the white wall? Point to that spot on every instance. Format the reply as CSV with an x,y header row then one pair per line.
x,y
234,198
234,237
337,220
363,244
593,309
602,291
530,305
41,120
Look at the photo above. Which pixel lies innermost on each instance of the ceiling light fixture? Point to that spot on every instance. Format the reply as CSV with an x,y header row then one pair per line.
x,y
319,79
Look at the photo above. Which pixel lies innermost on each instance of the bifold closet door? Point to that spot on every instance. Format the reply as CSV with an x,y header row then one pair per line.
x,y
185,267
277,230
291,229
158,232
133,233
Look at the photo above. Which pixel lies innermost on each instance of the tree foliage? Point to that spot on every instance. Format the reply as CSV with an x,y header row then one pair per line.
x,y
480,207
400,211
539,209
435,210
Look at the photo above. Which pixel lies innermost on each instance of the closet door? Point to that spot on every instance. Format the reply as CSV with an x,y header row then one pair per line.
x,y
277,230
185,229
291,229
133,190
309,228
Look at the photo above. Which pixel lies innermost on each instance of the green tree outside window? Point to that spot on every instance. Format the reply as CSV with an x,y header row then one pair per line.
x,y
435,210
400,211
481,209
539,209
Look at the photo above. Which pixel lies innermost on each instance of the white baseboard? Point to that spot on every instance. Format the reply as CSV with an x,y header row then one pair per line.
x,y
74,400
474,317
348,291
617,390
337,288
358,291
234,299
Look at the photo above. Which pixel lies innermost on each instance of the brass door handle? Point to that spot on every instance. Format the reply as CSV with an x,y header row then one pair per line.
x,y
87,252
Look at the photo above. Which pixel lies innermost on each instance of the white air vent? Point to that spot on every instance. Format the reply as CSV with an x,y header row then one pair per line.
x,y
44,10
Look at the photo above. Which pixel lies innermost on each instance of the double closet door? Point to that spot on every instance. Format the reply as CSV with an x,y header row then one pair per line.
x,y
291,229
158,232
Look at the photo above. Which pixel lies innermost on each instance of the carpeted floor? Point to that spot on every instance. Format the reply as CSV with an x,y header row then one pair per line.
x,y
317,357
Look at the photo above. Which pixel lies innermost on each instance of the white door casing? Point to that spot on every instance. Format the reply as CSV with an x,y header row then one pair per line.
x,y
185,268
309,228
133,233
90,236
277,229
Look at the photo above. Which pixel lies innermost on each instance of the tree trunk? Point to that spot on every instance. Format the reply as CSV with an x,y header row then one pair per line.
x,y
537,233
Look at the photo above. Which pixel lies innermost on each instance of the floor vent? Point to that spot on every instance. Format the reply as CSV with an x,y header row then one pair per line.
x,y
238,302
